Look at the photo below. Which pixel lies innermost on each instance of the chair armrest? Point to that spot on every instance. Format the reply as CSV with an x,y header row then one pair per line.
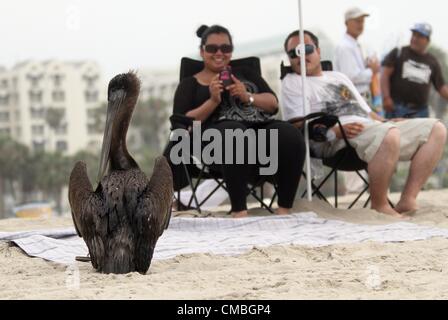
x,y
307,117
323,120
180,121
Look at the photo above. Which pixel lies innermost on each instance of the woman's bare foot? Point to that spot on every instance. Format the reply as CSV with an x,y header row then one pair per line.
x,y
387,209
282,211
239,214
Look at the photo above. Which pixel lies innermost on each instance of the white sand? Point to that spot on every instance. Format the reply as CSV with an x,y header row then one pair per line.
x,y
408,270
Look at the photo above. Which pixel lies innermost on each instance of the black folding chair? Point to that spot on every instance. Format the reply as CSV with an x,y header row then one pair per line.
x,y
345,159
185,173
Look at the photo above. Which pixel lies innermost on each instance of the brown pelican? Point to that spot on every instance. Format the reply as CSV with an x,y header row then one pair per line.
x,y
123,218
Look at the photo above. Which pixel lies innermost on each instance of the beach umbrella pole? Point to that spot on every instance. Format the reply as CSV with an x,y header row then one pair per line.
x,y
305,103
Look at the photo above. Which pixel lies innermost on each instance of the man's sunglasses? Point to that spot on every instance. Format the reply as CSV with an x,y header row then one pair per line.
x,y
295,53
213,48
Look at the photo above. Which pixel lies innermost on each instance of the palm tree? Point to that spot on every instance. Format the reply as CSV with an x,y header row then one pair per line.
x,y
440,105
99,117
149,123
92,161
52,174
54,116
12,160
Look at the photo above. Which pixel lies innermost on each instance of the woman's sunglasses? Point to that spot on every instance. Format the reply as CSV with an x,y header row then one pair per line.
x,y
295,53
213,48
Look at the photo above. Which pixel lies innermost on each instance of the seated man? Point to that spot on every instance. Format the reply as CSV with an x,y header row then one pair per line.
x,y
380,144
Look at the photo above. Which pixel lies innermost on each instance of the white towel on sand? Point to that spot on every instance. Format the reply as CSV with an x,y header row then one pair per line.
x,y
226,236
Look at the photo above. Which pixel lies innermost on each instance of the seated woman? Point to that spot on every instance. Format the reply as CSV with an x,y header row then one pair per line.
x,y
247,103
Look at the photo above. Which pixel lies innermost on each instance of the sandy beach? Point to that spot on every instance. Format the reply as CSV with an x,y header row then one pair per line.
x,y
369,270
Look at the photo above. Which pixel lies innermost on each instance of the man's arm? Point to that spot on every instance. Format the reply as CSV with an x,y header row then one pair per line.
x,y
375,116
292,102
388,103
344,63
351,130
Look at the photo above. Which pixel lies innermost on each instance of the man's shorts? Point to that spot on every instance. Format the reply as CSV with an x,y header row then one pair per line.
x,y
413,133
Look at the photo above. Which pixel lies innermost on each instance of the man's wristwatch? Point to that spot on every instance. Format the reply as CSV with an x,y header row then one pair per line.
x,y
251,99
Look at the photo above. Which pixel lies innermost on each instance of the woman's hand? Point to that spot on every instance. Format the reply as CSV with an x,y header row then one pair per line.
x,y
238,89
216,88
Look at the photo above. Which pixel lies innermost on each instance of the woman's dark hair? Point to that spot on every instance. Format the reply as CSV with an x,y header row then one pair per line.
x,y
204,31
296,34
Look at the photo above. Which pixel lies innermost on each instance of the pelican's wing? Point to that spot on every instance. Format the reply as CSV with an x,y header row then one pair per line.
x,y
153,213
87,210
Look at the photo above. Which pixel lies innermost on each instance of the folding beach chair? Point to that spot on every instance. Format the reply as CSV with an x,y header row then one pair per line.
x,y
191,173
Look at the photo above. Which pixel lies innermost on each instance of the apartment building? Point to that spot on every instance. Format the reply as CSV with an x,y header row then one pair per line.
x,y
48,105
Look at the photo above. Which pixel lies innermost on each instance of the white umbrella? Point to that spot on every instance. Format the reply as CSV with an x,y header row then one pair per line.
x,y
305,103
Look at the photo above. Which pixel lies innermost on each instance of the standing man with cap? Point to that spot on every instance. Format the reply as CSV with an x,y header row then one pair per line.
x,y
350,59
407,76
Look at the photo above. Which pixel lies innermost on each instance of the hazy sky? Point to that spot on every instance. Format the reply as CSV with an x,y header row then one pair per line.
x,y
123,35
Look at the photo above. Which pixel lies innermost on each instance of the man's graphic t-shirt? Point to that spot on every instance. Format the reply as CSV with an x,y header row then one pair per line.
x,y
332,92
412,77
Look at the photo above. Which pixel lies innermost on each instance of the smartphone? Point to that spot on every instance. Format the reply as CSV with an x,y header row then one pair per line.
x,y
226,76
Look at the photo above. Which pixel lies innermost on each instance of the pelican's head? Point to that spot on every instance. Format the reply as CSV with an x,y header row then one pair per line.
x,y
122,95
125,82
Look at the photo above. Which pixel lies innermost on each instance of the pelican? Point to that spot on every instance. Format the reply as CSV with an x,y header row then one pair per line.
x,y
122,219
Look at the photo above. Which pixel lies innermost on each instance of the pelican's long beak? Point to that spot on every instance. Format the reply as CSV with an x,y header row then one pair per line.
x,y
116,99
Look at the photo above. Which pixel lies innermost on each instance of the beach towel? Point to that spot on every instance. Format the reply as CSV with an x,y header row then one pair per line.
x,y
224,236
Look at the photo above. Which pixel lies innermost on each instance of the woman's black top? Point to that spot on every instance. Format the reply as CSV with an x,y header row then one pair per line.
x,y
190,94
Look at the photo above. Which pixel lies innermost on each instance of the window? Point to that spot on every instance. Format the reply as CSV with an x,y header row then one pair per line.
x,y
62,129
61,146
4,116
39,146
37,113
4,83
91,96
37,130
90,80
91,113
35,97
4,100
57,80
5,132
58,96
34,79
14,98
92,129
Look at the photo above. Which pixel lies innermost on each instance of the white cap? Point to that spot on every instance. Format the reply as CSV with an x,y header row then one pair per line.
x,y
354,13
